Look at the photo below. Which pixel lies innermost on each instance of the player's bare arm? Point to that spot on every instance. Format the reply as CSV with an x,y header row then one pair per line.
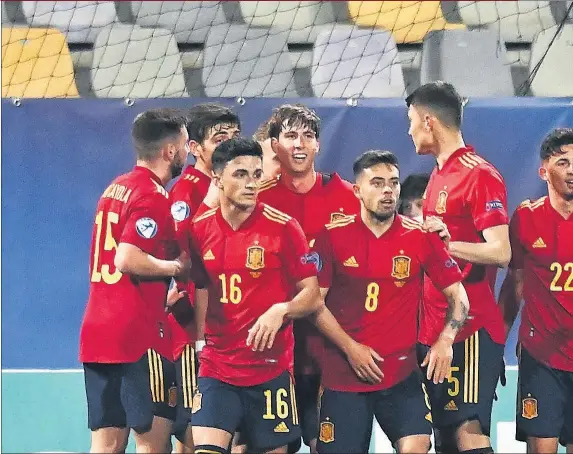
x,y
439,357
510,297
306,302
495,251
362,358
132,260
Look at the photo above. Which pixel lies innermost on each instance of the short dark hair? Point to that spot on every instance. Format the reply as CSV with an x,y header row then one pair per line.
x,y
442,99
152,127
371,158
202,117
262,132
414,186
233,148
553,142
293,115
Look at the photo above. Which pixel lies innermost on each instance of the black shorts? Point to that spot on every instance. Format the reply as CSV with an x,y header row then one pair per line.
x,y
130,394
186,379
544,401
468,393
307,392
266,413
346,417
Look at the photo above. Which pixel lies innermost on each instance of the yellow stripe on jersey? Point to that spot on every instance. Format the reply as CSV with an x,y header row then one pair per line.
x,y
268,184
293,403
474,158
205,215
274,218
151,374
466,162
279,213
471,370
341,222
532,205
410,224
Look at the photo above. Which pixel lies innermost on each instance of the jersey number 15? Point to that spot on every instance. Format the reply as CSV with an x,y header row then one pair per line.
x,y
109,244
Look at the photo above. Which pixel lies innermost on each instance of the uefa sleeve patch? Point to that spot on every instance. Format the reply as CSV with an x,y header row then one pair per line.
x,y
312,258
146,228
180,211
493,205
450,263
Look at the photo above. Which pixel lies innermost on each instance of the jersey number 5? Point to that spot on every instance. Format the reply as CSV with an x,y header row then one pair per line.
x,y
108,245
558,270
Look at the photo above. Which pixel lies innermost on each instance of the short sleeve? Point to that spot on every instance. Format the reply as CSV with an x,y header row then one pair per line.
x,y
487,198
323,248
181,204
517,251
299,261
438,264
148,224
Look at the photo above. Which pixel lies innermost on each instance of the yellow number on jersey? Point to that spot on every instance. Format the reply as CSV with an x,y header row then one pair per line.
x,y
234,292
372,292
558,270
456,382
109,245
282,405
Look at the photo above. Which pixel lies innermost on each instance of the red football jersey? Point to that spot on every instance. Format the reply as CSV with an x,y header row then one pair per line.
x,y
330,198
125,315
542,245
246,272
187,194
469,194
375,293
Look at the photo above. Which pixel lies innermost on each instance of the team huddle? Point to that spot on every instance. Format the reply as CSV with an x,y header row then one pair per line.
x,y
260,302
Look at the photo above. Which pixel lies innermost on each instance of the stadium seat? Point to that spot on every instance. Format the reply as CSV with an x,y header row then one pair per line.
x,y
36,63
474,61
303,20
79,21
555,76
130,61
242,61
189,21
351,62
515,21
408,21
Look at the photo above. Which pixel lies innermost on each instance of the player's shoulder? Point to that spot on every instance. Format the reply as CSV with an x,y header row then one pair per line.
x,y
343,222
529,207
269,183
274,216
334,182
410,224
477,165
201,219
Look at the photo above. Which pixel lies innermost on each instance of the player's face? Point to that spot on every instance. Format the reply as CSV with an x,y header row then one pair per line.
x,y
413,208
421,130
181,151
217,134
378,189
558,172
239,181
296,149
271,163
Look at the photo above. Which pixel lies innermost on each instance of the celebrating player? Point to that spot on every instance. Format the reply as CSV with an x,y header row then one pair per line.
x,y
412,196
208,125
123,341
541,273
373,286
253,257
313,199
468,195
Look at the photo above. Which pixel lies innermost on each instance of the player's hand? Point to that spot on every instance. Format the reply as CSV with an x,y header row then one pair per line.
x,y
439,360
182,266
363,361
174,295
212,197
435,224
262,334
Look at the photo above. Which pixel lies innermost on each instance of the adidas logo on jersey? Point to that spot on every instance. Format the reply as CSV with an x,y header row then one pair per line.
x,y
539,243
451,406
351,262
209,255
281,428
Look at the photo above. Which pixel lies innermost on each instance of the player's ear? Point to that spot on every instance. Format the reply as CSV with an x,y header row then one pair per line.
x,y
356,189
428,122
317,147
543,173
195,148
274,144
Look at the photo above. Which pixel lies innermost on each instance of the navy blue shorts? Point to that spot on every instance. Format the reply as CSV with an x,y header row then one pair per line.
x,y
186,378
544,401
468,393
307,392
346,417
130,394
266,413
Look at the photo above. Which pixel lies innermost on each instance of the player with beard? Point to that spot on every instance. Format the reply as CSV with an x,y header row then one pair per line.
x,y
124,344
373,286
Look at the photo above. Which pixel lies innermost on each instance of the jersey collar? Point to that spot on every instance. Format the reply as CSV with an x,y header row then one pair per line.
x,y
228,230
455,155
150,173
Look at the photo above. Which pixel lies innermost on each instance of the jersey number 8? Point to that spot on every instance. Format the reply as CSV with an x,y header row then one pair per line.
x,y
372,292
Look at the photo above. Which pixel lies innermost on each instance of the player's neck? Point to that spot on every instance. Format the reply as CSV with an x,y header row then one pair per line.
x,y
202,167
163,174
377,227
447,146
562,206
299,183
233,215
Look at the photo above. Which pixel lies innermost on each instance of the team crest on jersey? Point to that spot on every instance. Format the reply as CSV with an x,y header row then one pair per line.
x,y
172,396
146,227
197,398
180,211
529,407
401,267
255,258
336,216
326,432
441,203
